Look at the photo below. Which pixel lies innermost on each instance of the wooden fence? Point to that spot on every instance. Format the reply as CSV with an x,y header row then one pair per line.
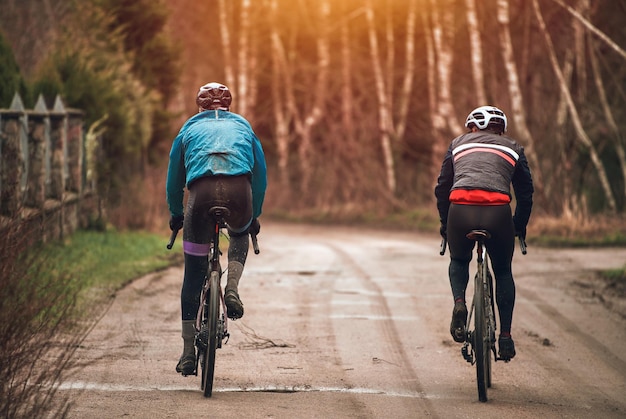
x,y
43,169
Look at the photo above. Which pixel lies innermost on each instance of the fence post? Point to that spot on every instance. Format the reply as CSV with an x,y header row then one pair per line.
x,y
75,151
57,158
35,190
12,161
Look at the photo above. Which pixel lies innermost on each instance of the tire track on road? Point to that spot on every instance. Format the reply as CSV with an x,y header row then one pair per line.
x,y
392,340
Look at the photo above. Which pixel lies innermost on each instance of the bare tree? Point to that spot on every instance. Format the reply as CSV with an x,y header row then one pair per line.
x,y
385,123
515,92
243,54
281,86
476,52
229,72
439,39
563,184
307,120
592,28
409,71
618,138
582,136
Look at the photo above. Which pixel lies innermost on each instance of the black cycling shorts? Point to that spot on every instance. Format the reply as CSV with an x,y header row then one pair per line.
x,y
232,192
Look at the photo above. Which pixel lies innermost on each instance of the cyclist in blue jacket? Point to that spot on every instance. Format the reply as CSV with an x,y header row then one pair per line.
x,y
473,192
220,160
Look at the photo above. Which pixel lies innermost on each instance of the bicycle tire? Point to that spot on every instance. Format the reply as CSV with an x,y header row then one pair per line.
x,y
491,322
480,330
212,320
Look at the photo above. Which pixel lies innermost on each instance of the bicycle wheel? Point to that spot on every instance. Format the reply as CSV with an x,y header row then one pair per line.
x,y
212,320
481,348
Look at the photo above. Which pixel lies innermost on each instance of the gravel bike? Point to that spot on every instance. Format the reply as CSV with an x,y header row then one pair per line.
x,y
211,320
480,343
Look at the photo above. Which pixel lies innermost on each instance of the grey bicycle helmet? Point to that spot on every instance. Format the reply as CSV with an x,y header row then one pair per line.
x,y
214,96
486,117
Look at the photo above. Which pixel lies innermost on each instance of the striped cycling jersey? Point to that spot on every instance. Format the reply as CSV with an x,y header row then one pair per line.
x,y
507,153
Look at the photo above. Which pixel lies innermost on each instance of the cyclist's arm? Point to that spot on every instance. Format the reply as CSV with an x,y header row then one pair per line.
x,y
259,178
523,187
444,185
176,176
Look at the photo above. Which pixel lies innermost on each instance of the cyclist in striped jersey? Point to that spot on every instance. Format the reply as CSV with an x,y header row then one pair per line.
x,y
474,192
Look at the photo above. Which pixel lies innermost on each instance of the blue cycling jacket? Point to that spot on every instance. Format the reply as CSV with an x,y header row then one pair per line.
x,y
215,142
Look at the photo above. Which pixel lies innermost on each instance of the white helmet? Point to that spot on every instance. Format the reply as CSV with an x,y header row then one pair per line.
x,y
486,116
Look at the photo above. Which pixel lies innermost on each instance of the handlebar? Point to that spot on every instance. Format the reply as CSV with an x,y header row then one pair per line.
x,y
444,244
255,243
172,239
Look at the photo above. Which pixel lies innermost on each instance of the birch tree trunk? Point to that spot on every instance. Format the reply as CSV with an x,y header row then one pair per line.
x,y
476,53
243,76
347,96
582,136
618,138
568,200
385,124
409,71
579,47
517,100
229,73
304,126
440,56
281,85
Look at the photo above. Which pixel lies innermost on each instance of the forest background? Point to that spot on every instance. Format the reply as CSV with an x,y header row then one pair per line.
x,y
355,102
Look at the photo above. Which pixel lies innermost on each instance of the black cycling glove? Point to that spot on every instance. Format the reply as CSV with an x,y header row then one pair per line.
x,y
176,222
255,227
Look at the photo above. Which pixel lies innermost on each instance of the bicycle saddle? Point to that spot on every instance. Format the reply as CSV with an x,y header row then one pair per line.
x,y
478,234
219,212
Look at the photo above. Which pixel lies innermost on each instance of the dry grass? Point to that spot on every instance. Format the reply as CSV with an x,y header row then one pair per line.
x,y
592,230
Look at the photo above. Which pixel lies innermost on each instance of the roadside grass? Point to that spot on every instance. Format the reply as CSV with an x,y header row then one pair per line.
x,y
100,263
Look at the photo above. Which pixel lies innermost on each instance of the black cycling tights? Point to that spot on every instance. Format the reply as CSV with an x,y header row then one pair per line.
x,y
499,222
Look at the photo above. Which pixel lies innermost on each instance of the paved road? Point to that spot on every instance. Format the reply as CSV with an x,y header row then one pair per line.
x,y
352,323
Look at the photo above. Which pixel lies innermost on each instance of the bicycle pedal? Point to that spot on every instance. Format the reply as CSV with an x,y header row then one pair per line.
x,y
467,355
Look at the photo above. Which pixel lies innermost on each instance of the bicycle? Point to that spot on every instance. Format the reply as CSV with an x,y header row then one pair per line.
x,y
481,342
212,320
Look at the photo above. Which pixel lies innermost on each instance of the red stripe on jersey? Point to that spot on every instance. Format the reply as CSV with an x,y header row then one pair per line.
x,y
486,150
